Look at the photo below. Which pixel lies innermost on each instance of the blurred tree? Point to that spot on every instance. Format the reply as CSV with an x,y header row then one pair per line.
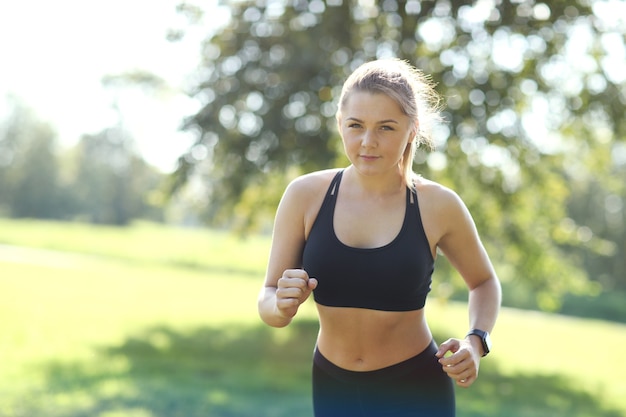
x,y
528,85
28,165
101,180
112,184
598,218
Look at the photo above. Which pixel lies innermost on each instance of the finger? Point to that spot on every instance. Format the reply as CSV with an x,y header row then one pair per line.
x,y
450,345
453,371
465,382
312,283
286,303
289,293
291,283
288,307
456,360
460,371
296,273
467,377
458,363
464,373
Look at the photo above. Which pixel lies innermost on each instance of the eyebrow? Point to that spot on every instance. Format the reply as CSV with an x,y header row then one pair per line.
x,y
379,122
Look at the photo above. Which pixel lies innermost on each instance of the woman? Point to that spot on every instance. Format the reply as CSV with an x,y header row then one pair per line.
x,y
363,239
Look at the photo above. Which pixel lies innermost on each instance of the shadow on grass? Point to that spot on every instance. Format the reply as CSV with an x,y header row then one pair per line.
x,y
253,371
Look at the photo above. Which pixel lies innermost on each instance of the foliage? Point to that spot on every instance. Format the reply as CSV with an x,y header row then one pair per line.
x,y
29,169
600,207
528,85
114,182
608,305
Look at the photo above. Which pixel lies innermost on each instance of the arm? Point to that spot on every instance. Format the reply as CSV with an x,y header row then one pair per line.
x,y
286,286
462,246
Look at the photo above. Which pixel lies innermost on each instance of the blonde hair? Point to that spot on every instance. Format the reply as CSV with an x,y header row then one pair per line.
x,y
410,88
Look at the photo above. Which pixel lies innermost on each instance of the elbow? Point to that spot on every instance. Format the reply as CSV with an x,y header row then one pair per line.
x,y
490,285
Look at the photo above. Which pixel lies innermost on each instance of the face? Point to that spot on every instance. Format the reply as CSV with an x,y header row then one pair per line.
x,y
375,132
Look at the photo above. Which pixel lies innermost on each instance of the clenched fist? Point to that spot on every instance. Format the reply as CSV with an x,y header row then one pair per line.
x,y
292,289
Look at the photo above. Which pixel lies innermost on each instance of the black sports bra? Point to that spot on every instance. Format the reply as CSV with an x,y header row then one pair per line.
x,y
394,277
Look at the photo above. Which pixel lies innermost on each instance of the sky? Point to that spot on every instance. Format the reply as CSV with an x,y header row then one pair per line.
x,y
54,54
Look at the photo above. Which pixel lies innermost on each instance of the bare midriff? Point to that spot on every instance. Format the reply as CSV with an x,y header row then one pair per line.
x,y
359,339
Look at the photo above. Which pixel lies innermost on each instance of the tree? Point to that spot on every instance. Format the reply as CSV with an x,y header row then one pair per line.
x,y
527,86
28,165
101,180
111,184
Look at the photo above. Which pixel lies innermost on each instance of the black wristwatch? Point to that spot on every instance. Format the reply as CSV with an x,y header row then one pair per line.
x,y
484,339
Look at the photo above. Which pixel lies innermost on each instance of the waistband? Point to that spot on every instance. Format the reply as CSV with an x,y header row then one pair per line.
x,y
426,358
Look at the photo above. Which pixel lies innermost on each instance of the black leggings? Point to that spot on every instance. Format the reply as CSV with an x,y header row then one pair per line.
x,y
417,387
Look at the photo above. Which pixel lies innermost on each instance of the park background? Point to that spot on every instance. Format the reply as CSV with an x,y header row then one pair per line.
x,y
143,150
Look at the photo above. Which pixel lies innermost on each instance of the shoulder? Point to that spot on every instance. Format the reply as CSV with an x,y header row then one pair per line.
x,y
307,191
443,213
311,185
437,195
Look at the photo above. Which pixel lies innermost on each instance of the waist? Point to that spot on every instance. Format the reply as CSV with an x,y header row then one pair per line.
x,y
424,358
361,340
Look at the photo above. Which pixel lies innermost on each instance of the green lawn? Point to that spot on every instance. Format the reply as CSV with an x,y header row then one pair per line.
x,y
161,322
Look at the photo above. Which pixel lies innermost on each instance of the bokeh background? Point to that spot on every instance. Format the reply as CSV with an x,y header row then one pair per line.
x,y
144,147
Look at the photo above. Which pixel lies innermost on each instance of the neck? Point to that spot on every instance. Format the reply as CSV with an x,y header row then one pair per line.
x,y
381,185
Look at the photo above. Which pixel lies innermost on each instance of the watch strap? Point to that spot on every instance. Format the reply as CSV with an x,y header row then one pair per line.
x,y
484,339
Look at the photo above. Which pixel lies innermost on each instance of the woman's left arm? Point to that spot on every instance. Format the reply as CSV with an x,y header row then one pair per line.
x,y
461,244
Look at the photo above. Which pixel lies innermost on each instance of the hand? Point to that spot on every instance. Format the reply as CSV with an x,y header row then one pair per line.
x,y
293,289
462,365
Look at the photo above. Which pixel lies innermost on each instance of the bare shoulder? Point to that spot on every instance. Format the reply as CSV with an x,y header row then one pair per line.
x,y
435,196
301,199
309,186
442,210
304,196
445,216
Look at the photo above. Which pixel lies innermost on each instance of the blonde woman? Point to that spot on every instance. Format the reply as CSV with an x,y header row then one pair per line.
x,y
363,240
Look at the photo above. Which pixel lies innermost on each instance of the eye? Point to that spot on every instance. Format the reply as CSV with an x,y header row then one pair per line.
x,y
354,125
386,127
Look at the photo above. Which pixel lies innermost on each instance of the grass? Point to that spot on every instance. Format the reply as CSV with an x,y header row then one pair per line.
x,y
160,322
144,243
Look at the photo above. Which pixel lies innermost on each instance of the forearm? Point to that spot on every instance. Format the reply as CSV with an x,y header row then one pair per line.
x,y
484,304
267,308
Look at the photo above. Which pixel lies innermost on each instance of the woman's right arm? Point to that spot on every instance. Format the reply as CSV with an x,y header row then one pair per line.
x,y
287,286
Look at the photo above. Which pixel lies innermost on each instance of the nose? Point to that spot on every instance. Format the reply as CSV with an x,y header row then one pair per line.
x,y
368,140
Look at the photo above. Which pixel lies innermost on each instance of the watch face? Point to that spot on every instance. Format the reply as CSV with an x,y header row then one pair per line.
x,y
487,341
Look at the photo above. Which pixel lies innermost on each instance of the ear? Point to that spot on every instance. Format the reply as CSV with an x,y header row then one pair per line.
x,y
414,131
